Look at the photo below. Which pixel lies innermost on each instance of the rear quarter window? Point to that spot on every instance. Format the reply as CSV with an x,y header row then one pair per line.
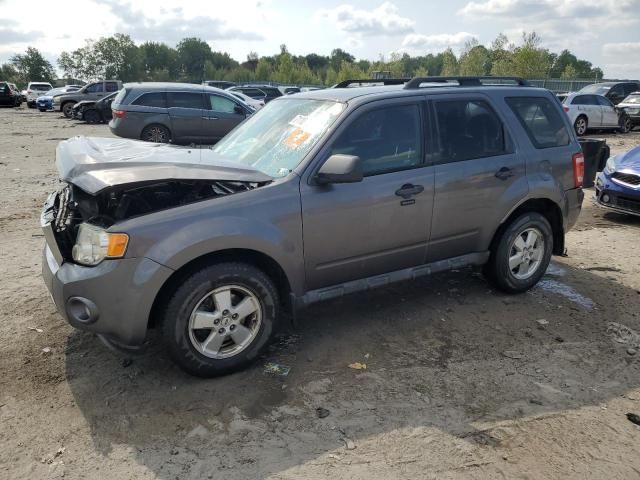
x,y
541,121
152,99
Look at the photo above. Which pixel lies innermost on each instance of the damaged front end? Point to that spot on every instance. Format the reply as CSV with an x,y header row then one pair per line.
x,y
107,181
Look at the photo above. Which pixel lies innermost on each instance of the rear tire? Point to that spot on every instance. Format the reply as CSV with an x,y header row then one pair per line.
x,y
156,134
67,109
220,318
522,254
42,109
580,125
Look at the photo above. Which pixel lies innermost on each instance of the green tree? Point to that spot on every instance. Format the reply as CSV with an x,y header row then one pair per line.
x,y
338,56
474,59
32,66
158,60
263,70
569,73
530,60
331,77
449,63
10,74
119,58
193,54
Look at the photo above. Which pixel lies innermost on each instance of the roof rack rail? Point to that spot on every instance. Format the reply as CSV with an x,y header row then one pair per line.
x,y
466,81
371,82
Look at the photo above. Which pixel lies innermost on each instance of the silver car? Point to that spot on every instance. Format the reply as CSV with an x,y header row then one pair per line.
x,y
587,111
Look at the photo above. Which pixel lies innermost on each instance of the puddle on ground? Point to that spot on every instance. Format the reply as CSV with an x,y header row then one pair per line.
x,y
559,288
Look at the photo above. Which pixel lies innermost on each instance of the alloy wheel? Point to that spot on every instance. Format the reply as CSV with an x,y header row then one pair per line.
x,y
526,253
581,126
157,135
225,321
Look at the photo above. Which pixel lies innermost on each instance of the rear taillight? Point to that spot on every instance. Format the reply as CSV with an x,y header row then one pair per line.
x,y
578,169
119,113
565,108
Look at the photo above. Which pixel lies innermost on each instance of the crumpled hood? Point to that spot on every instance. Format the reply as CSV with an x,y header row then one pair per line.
x,y
95,164
629,160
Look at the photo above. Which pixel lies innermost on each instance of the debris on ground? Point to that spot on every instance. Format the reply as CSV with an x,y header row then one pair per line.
x,y
622,334
633,418
46,350
276,369
36,329
348,443
543,321
322,412
512,354
358,366
60,451
631,351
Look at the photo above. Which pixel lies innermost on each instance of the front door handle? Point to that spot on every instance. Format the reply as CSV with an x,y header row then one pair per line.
x,y
504,173
408,190
210,118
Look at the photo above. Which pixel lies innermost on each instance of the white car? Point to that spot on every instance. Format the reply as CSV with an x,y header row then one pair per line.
x,y
590,111
36,89
252,102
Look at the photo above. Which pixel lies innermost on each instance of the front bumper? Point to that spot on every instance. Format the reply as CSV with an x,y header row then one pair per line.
x,y
616,197
113,299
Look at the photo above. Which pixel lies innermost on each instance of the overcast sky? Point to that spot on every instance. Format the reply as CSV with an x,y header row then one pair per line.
x,y
605,32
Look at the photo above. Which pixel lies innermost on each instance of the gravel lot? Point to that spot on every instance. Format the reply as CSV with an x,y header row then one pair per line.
x,y
460,382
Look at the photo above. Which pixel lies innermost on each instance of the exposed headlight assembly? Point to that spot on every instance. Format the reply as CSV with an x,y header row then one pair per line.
x,y
94,244
610,167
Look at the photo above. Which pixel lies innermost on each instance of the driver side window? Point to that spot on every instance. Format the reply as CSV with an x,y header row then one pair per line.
x,y
386,139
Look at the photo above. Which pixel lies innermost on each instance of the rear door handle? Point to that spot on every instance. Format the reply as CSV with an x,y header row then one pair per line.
x,y
408,190
504,173
210,118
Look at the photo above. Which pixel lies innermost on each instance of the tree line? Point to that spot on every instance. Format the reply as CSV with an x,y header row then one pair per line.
x,y
193,60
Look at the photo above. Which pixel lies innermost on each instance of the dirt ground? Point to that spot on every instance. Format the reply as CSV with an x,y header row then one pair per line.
x,y
461,381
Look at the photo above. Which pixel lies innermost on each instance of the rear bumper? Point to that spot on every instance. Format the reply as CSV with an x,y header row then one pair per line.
x,y
113,299
573,207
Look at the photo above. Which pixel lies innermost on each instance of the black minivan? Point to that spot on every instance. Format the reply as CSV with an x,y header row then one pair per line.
x,y
175,112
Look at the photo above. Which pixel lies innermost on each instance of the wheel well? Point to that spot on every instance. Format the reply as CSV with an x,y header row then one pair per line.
x,y
582,115
259,260
545,207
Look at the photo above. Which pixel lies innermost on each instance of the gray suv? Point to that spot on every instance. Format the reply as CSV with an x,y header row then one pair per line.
x,y
94,91
175,112
317,195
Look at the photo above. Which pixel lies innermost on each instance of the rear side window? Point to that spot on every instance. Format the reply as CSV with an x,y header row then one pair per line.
x,y
468,129
154,99
112,87
184,100
541,120
603,101
95,88
386,140
120,96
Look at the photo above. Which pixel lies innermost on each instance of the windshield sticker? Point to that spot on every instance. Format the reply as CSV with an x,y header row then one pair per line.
x,y
296,138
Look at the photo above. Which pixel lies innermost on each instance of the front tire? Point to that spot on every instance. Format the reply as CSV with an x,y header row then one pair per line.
x,y
580,125
220,318
91,116
42,109
625,125
522,254
156,134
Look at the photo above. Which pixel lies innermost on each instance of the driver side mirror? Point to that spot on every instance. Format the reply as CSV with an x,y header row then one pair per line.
x,y
239,109
340,169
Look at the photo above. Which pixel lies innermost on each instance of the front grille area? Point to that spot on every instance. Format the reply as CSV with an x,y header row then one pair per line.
x,y
628,204
628,178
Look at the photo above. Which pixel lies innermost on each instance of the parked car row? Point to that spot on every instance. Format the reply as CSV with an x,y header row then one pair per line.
x,y
603,106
